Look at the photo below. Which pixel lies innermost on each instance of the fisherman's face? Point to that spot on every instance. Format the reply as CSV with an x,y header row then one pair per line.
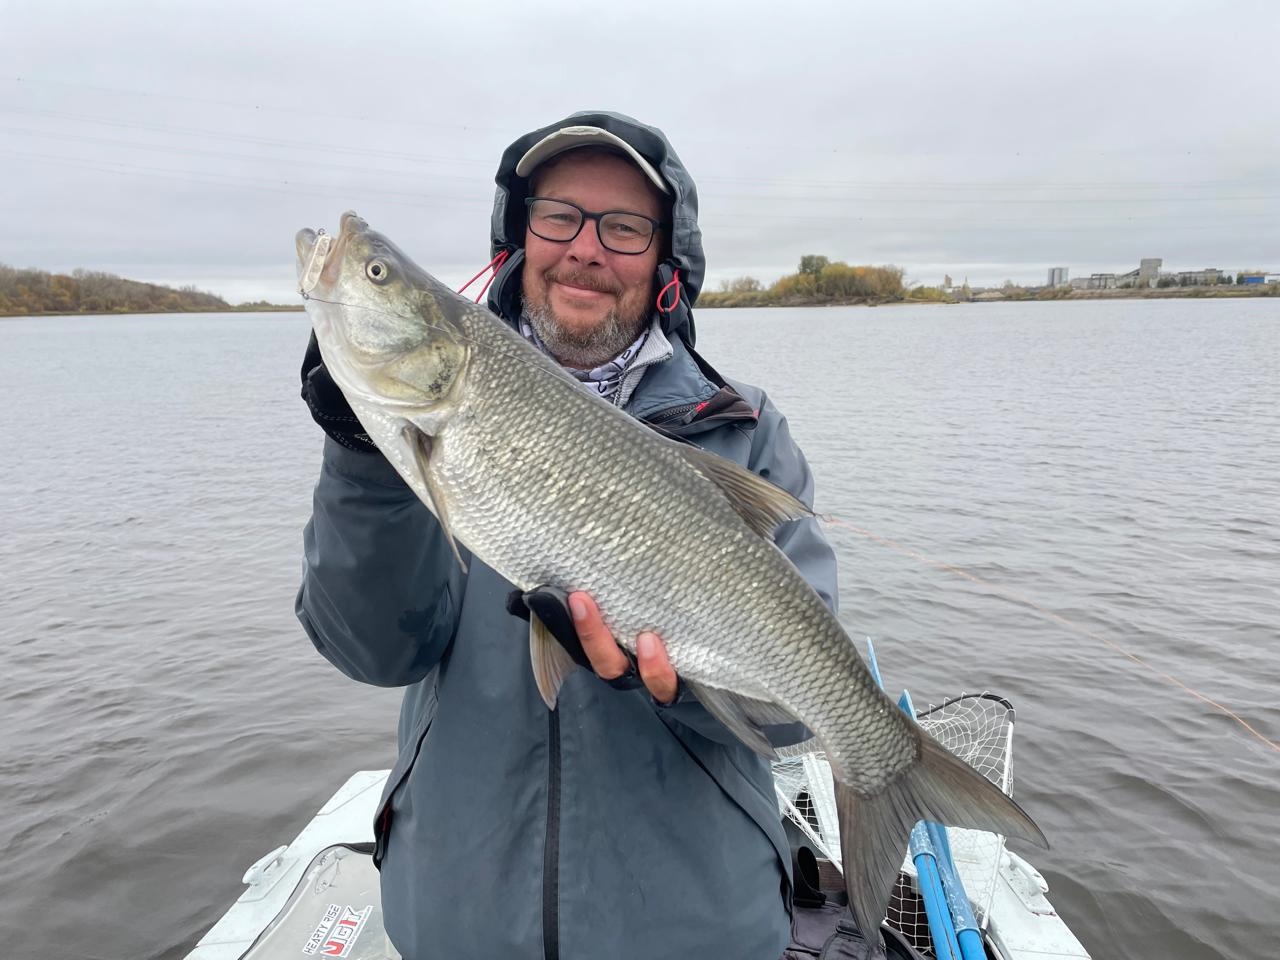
x,y
588,304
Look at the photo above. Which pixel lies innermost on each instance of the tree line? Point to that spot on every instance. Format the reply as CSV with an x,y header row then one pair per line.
x,y
818,280
28,292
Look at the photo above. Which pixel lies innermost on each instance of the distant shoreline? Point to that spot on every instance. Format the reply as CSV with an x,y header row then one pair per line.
x,y
85,293
248,308
722,301
1019,295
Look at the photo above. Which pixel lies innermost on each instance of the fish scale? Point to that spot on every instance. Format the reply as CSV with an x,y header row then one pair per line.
x,y
551,486
584,552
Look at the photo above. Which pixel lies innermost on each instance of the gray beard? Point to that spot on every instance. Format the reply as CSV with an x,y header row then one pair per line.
x,y
583,351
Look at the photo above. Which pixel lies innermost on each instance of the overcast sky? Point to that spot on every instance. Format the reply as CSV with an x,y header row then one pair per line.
x,y
187,143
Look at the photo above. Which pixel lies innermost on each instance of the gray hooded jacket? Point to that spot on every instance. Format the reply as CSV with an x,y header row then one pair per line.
x,y
612,826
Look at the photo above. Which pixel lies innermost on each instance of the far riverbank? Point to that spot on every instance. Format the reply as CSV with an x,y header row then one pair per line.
x,y
38,293
765,298
238,308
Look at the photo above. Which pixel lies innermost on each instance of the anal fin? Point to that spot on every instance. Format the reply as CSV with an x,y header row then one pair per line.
x,y
743,715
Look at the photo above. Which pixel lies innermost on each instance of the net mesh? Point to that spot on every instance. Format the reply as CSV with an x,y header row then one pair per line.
x,y
978,729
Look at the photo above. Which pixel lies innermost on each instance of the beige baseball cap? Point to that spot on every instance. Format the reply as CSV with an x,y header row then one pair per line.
x,y
570,138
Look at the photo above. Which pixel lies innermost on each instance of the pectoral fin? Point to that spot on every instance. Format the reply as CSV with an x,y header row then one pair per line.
x,y
551,662
420,444
761,504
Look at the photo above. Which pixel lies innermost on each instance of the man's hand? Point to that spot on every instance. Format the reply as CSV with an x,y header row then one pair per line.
x,y
329,408
610,662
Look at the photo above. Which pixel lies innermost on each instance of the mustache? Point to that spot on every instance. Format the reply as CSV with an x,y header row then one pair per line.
x,y
581,278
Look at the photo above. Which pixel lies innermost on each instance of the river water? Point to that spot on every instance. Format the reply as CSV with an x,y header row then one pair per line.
x,y
1076,505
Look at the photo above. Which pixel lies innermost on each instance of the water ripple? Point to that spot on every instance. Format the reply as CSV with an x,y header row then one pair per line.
x,y
1108,472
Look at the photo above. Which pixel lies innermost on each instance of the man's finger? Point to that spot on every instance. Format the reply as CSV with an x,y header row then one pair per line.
x,y
655,669
607,658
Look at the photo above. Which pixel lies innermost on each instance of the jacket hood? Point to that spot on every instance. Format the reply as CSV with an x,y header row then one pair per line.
x,y
507,227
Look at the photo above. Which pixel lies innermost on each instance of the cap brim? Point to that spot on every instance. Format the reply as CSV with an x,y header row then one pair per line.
x,y
570,138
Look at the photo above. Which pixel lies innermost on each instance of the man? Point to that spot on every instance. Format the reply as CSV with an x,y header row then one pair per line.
x,y
628,822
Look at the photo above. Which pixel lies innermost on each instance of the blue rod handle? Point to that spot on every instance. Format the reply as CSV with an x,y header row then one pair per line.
x,y
945,944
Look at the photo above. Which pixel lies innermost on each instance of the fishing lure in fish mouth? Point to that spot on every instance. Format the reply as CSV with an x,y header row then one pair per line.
x,y
310,275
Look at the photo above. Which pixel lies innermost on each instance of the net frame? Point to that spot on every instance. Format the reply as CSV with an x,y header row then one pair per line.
x,y
978,728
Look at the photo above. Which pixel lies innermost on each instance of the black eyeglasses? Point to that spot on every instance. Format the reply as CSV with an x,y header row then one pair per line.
x,y
561,221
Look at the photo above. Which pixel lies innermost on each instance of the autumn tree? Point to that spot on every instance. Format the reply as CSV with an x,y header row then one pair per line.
x,y
811,264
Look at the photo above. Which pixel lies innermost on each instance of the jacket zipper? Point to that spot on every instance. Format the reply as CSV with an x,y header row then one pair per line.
x,y
551,845
671,413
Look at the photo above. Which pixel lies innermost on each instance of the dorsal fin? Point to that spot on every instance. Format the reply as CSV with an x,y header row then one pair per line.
x,y
761,504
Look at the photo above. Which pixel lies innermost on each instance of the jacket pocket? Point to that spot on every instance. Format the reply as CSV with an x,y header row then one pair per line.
x,y
400,773
754,799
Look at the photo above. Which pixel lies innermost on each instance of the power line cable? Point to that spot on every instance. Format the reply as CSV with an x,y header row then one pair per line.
x,y
429,200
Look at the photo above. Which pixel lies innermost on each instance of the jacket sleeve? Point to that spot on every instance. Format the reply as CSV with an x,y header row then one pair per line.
x,y
775,456
380,585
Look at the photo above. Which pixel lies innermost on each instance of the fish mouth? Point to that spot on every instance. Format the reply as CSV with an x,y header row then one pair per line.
x,y
351,224
303,244
318,255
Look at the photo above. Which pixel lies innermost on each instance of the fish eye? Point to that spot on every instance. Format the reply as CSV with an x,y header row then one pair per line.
x,y
377,271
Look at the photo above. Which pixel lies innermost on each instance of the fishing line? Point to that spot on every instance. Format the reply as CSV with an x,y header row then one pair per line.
x,y
511,354
1056,617
906,551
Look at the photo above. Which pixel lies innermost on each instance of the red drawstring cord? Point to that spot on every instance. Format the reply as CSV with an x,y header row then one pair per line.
x,y
501,258
495,265
675,301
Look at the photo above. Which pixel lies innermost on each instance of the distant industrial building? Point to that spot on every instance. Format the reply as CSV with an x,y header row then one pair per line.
x,y
1196,278
1149,271
1148,274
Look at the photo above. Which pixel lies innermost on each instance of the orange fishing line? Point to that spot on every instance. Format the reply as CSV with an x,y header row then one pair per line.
x,y
1069,624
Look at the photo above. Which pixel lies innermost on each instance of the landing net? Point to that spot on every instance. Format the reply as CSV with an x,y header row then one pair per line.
x,y
976,728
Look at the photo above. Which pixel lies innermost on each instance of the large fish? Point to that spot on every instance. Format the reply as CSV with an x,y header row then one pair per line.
x,y
549,485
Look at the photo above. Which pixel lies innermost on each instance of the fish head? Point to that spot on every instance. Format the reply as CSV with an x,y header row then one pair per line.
x,y
378,318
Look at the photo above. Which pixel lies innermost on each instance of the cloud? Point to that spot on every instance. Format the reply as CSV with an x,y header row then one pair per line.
x,y
1016,136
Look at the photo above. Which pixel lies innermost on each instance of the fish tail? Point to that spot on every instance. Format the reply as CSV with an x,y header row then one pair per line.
x,y
874,829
